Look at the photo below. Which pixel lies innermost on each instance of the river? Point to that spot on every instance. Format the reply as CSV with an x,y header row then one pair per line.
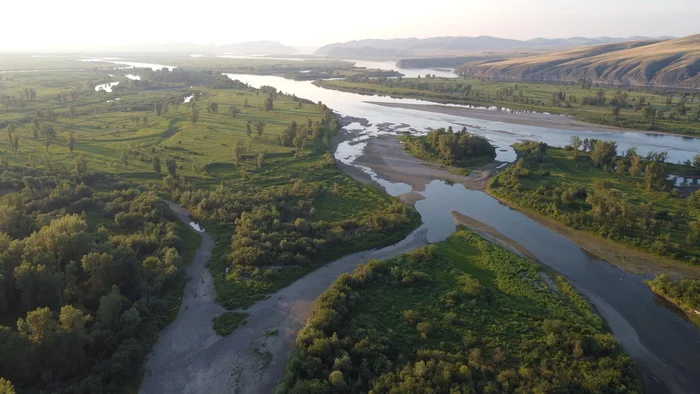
x,y
665,347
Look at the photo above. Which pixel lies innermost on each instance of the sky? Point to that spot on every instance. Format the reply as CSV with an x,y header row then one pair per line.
x,y
74,24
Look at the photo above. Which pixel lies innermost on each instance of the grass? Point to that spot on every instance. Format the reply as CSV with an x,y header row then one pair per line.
x,y
464,301
225,323
486,93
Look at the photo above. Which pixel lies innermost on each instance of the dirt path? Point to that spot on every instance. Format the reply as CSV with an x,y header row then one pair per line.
x,y
190,358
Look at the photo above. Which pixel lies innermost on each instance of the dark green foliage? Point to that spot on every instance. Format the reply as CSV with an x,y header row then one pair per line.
x,y
460,316
461,149
88,275
627,199
225,323
684,292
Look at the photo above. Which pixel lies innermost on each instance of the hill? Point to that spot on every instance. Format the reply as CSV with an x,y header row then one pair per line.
x,y
669,63
258,48
456,45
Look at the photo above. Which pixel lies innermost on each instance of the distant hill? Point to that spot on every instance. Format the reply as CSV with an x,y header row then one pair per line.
x,y
243,48
408,47
669,63
258,48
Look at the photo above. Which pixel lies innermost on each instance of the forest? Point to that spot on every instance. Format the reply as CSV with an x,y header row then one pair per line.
x,y
449,148
463,315
622,196
90,271
639,108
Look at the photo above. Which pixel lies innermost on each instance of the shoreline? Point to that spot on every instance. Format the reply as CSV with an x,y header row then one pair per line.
x,y
535,119
692,314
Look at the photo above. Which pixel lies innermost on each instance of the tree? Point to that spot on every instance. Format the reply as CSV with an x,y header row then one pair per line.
x,y
603,153
39,326
48,134
80,164
237,152
233,111
576,144
620,168
172,167
213,107
655,175
145,121
696,161
158,107
299,143
260,128
260,159
124,159
269,103
156,165
635,165
245,103
71,140
6,387
248,129
15,144
194,115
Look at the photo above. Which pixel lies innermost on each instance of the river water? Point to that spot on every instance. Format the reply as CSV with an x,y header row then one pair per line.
x,y
665,347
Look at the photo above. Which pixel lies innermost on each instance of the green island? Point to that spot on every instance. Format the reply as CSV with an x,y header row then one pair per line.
x,y
463,315
458,150
641,108
92,259
626,198
225,323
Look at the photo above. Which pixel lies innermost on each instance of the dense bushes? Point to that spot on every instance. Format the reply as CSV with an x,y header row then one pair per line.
x,y
446,147
685,292
492,326
89,278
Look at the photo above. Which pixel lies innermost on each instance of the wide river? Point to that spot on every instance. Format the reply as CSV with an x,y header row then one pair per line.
x,y
665,347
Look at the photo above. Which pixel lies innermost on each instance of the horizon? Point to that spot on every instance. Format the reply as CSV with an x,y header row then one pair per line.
x,y
167,23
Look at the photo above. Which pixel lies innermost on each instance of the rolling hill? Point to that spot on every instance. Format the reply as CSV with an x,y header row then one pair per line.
x,y
408,47
669,63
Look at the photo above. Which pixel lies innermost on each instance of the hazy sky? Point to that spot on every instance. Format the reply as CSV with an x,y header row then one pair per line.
x,y
41,24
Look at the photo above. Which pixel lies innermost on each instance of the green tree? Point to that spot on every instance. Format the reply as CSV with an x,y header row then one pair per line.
x,y
156,165
39,326
194,115
260,159
6,387
655,175
604,153
80,164
172,167
233,111
71,140
237,152
48,134
260,128
696,161
248,129
269,103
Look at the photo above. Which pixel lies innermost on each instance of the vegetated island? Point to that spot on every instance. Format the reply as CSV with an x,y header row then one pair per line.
x,y
91,258
463,315
648,109
684,293
459,150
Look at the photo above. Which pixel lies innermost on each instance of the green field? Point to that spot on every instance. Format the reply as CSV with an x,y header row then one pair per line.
x,y
641,210
459,316
540,97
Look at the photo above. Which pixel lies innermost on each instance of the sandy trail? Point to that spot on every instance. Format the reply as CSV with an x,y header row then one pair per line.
x,y
190,358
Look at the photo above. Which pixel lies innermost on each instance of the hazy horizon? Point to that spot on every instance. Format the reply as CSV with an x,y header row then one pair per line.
x,y
72,25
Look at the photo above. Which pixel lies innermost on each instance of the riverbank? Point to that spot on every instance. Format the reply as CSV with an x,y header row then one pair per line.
x,y
387,158
537,119
693,314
